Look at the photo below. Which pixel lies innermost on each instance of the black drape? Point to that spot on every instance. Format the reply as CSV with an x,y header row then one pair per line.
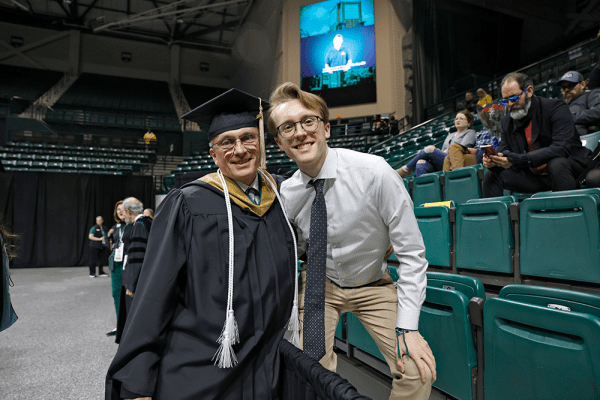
x,y
452,42
53,212
303,378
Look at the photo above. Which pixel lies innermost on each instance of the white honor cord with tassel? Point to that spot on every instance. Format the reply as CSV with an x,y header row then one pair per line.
x,y
225,356
294,322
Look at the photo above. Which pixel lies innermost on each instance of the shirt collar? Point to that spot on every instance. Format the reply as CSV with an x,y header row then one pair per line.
x,y
138,217
254,184
328,170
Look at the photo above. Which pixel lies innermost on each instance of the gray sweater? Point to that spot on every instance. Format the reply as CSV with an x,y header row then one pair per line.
x,y
465,139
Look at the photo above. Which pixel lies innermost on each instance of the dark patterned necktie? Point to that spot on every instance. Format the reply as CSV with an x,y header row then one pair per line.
x,y
314,295
253,194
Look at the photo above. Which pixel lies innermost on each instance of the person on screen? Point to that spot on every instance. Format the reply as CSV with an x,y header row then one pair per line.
x,y
338,56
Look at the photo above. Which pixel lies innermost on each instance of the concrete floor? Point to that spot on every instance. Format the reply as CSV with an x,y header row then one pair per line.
x,y
58,349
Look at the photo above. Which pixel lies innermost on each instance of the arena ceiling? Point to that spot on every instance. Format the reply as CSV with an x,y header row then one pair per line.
x,y
210,24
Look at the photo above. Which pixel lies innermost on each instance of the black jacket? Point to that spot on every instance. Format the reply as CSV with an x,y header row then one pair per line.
x,y
586,112
553,133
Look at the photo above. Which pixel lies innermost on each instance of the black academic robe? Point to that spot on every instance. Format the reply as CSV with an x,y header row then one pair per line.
x,y
180,304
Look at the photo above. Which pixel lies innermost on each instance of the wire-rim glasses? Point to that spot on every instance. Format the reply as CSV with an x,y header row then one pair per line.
x,y
309,124
228,143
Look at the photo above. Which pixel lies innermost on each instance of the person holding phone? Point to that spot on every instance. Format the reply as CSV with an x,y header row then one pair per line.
x,y
539,148
431,159
459,156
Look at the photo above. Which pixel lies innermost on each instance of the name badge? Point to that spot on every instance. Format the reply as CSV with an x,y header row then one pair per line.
x,y
119,254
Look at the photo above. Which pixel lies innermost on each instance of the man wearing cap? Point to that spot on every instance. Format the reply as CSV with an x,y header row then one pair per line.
x,y
217,287
540,149
584,104
348,207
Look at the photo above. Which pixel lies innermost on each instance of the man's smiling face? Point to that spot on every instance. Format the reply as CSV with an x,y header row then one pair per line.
x,y
307,149
240,162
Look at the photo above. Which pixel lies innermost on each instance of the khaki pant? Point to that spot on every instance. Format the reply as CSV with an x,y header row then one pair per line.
x,y
458,157
376,307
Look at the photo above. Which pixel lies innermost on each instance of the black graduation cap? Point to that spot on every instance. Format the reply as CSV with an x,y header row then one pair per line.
x,y
231,110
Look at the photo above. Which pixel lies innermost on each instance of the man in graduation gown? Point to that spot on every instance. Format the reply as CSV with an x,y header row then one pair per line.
x,y
170,344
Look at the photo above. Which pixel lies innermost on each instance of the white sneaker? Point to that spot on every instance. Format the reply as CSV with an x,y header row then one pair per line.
x,y
92,276
103,275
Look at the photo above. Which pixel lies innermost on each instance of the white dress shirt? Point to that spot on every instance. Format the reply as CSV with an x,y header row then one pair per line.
x,y
368,208
255,185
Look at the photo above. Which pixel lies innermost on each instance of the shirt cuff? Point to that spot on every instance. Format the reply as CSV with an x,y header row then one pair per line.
x,y
408,319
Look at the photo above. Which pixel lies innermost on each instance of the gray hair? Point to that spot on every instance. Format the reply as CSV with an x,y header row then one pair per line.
x,y
133,205
522,80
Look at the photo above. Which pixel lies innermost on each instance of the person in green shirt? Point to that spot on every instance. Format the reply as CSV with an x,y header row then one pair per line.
x,y
98,242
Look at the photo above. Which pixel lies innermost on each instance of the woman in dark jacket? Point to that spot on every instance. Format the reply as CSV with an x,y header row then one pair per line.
x,y
7,314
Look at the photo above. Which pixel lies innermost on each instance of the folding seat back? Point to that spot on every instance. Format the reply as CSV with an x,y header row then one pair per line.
x,y
445,323
542,343
560,237
462,184
591,140
427,188
484,235
435,226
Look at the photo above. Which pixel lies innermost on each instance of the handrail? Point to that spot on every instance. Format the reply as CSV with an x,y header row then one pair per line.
x,y
382,144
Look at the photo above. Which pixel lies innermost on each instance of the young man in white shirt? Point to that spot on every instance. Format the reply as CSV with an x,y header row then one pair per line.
x,y
367,208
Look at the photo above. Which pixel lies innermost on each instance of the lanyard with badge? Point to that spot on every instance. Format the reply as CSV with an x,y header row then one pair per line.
x,y
119,250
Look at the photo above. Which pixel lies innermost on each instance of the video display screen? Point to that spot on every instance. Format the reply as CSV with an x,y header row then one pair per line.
x,y
337,51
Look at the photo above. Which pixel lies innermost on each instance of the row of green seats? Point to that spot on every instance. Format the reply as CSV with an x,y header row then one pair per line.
x,y
39,166
517,336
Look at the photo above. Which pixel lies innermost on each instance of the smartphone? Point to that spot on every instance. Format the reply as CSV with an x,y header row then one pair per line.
x,y
489,150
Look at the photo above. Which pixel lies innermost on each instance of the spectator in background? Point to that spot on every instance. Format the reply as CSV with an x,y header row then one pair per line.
x,y
470,102
135,247
378,125
484,98
533,157
98,236
584,104
431,159
150,139
393,124
7,313
116,235
148,212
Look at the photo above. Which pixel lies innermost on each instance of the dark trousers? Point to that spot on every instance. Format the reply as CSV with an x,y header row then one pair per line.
x,y
561,176
96,259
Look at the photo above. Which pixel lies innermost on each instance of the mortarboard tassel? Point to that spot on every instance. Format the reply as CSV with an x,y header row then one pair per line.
x,y
261,129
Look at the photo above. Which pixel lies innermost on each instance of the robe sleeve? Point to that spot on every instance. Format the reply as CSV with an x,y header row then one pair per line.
x,y
136,253
135,366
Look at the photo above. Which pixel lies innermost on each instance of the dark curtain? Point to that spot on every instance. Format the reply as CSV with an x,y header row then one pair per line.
x,y
426,58
454,41
303,378
53,212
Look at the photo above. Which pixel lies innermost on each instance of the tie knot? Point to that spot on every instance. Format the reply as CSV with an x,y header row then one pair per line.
x,y
318,184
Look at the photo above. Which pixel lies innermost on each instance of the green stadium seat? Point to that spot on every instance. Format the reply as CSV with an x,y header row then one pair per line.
x,y
169,181
462,184
53,166
69,167
84,167
484,235
9,165
26,157
590,141
38,166
435,224
22,165
542,343
427,188
125,169
452,311
560,236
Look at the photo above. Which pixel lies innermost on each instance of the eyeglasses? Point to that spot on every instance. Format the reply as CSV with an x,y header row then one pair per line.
x,y
568,86
228,143
309,124
512,99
